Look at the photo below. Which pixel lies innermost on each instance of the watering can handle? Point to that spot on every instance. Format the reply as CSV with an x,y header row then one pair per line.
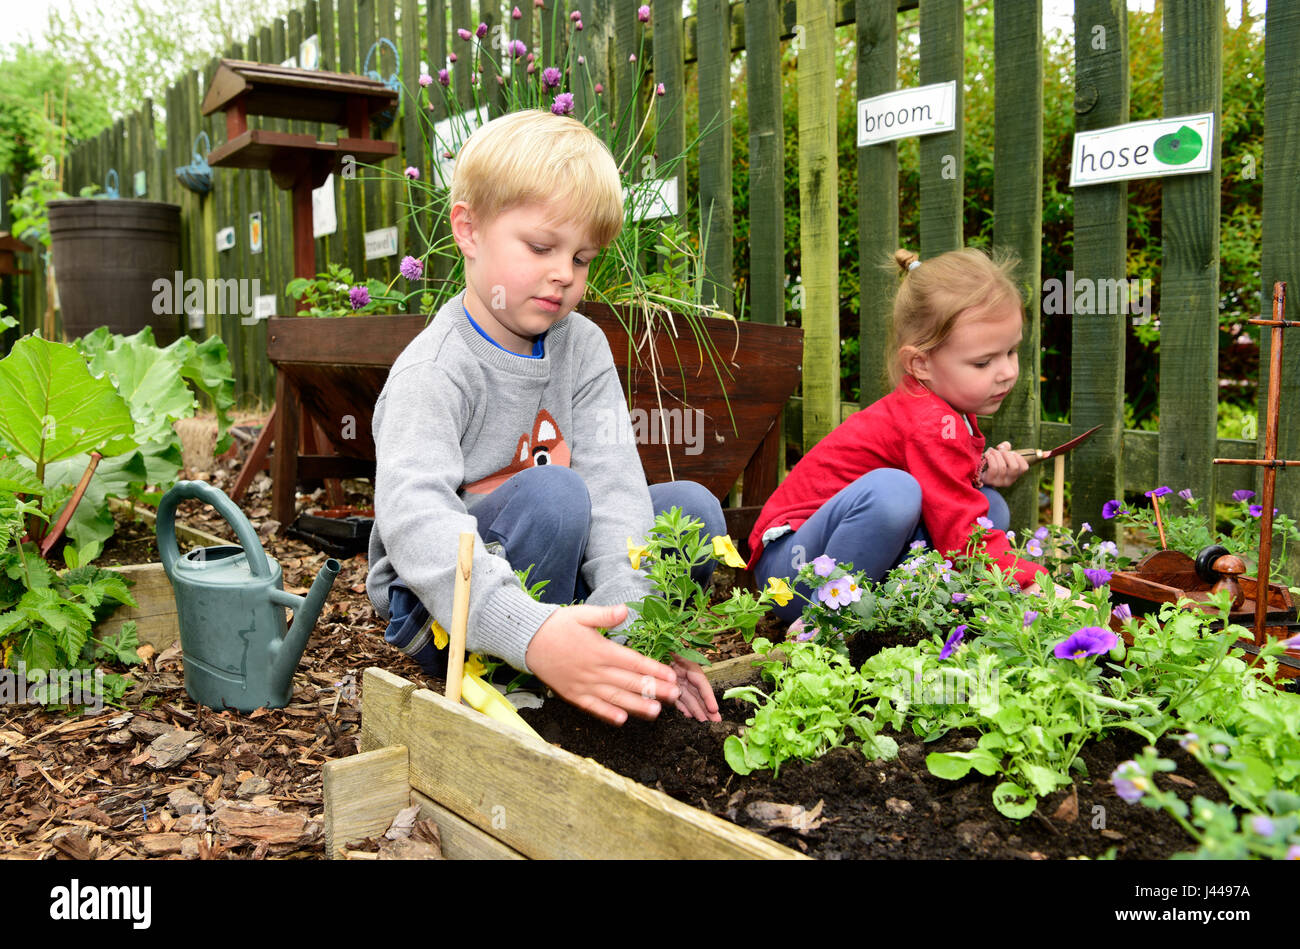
x,y
202,491
389,43
110,190
202,156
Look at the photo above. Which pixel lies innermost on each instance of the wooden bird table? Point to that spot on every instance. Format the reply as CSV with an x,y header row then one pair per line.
x,y
299,163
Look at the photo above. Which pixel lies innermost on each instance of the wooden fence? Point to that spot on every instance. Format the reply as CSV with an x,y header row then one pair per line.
x,y
701,48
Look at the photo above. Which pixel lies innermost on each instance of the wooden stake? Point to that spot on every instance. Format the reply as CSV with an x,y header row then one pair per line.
x,y
460,616
1058,490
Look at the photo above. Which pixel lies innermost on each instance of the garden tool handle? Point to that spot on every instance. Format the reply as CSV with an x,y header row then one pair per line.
x,y
169,551
459,616
482,697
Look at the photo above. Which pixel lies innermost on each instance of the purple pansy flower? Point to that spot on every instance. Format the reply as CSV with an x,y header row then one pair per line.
x,y
1185,494
1087,528
805,634
551,77
823,565
411,268
1034,549
958,597
1089,641
1111,508
1030,616
985,523
1123,612
643,13
1129,781
1097,576
1191,742
1242,495
1109,548
1256,510
1041,533
359,296
563,104
1159,492
954,640
916,545
1293,852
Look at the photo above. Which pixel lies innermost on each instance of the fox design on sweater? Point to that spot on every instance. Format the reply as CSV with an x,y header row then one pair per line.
x,y
546,446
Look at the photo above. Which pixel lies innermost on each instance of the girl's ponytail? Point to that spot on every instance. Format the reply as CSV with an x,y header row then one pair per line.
x,y
906,260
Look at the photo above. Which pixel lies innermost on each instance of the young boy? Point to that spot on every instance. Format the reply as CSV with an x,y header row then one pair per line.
x,y
496,419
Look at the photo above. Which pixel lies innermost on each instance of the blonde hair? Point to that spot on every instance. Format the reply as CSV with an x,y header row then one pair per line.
x,y
933,294
534,157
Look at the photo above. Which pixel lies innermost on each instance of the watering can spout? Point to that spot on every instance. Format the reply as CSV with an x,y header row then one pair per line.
x,y
286,652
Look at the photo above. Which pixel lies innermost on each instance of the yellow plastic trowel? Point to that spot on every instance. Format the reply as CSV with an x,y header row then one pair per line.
x,y
461,683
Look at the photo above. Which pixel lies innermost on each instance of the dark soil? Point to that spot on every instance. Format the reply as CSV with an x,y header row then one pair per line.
x,y
886,809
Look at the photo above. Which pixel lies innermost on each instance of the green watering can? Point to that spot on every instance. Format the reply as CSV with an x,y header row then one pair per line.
x,y
230,608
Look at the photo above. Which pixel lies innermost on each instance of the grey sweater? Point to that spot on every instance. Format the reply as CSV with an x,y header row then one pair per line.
x,y
456,417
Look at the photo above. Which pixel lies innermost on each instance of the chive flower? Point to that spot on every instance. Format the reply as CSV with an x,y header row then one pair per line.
x,y
551,77
426,79
953,642
563,104
464,34
481,31
444,79
643,13
411,268
516,14
1089,641
359,296
660,90
412,172
519,48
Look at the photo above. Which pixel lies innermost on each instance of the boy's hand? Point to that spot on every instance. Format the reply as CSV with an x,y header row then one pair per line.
x,y
600,677
697,699
1003,466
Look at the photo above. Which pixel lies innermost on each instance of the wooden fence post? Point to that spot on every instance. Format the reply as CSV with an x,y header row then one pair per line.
x,y
943,155
1018,220
818,220
715,152
1097,345
877,36
1189,279
1281,236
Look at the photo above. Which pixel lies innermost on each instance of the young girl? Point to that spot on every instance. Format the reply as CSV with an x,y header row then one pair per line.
x,y
913,466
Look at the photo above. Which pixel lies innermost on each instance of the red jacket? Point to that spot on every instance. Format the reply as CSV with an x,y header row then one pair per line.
x,y
914,430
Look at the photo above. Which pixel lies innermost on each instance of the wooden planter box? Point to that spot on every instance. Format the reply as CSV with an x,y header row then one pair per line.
x,y
497,793
330,370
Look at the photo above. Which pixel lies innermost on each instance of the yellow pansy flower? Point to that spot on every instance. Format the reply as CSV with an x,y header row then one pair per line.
x,y
440,637
474,665
635,553
725,550
779,590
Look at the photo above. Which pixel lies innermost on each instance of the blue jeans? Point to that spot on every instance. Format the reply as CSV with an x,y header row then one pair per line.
x,y
541,517
869,523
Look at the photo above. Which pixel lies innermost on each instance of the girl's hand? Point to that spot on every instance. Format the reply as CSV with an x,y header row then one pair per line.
x,y
1003,466
697,700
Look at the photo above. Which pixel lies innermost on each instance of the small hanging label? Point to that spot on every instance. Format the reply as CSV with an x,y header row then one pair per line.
x,y
291,62
923,110
264,306
653,198
309,52
381,243
324,221
255,232
225,238
139,183
195,319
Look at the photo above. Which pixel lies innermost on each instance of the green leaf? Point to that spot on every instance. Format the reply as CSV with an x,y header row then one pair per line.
x,y
954,765
734,751
1011,800
1044,780
17,479
121,647
51,407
